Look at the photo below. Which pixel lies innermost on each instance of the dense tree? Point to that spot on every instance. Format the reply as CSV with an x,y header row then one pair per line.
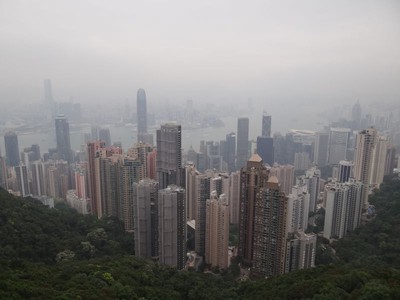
x,y
59,254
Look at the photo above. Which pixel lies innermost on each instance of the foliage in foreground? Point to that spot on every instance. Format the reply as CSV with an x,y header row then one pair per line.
x,y
33,238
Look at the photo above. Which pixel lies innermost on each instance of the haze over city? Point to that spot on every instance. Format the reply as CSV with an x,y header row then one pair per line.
x,y
276,53
199,150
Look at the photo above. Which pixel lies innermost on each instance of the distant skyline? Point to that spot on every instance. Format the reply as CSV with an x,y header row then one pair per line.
x,y
277,53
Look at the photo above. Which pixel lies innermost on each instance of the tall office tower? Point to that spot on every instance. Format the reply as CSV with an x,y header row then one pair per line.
x,y
141,109
105,136
338,144
265,148
378,161
96,150
3,173
229,152
301,161
252,179
146,219
63,138
285,175
270,233
266,125
38,178
321,149
242,142
298,205
217,231
22,180
343,206
312,180
234,197
172,226
345,170
169,155
140,152
300,251
364,149
12,149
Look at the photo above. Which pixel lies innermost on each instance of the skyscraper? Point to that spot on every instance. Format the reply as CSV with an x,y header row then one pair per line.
x,y
266,125
12,149
252,179
172,226
338,144
345,170
300,251
169,155
343,206
22,180
217,231
321,149
270,233
242,142
265,148
234,197
229,151
141,110
63,138
364,149
311,180
146,219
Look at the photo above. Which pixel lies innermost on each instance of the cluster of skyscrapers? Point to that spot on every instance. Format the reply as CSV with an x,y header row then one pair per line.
x,y
176,202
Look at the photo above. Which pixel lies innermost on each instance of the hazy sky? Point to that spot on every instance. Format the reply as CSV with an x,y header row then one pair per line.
x,y
209,50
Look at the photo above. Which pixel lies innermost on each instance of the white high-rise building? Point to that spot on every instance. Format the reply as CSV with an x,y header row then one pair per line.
x,y
311,179
378,163
298,206
172,226
217,231
146,218
343,206
366,141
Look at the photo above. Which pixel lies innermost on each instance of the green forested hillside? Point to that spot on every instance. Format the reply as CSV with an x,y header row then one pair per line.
x,y
58,254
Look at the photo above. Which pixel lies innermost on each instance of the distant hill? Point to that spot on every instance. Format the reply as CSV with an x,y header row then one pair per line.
x,y
59,254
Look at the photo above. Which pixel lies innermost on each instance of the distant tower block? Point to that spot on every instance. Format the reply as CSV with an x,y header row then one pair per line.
x,y
141,112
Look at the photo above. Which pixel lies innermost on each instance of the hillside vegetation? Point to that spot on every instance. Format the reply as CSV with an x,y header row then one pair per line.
x,y
59,254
